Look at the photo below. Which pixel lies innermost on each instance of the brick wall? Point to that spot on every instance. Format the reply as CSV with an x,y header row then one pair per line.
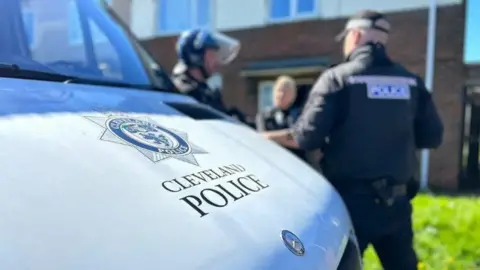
x,y
474,72
316,38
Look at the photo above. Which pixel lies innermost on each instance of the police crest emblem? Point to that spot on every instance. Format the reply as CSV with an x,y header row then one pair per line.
x,y
155,142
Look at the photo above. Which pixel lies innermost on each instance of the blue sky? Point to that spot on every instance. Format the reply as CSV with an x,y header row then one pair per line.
x,y
472,37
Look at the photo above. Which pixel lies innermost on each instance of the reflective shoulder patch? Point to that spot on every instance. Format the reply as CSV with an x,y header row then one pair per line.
x,y
370,79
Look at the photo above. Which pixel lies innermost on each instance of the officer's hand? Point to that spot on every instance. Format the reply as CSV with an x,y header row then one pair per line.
x,y
266,135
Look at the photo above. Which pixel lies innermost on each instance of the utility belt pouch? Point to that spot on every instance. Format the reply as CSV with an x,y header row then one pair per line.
x,y
384,191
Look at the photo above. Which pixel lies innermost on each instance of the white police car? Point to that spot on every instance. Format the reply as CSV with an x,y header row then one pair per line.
x,y
100,171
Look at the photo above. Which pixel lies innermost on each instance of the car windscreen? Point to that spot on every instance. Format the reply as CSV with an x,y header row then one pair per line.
x,y
75,38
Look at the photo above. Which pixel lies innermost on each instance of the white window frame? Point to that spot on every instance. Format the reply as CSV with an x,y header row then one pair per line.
x,y
262,87
209,25
294,14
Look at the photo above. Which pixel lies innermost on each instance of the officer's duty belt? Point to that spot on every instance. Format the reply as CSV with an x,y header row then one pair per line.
x,y
386,193
383,191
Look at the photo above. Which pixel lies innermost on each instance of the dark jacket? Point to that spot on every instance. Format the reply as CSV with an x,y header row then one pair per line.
x,y
198,90
203,93
375,113
277,119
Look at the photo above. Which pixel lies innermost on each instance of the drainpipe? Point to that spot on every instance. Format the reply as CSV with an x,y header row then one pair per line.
x,y
429,75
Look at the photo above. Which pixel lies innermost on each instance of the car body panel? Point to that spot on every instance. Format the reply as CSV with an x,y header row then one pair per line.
x,y
75,194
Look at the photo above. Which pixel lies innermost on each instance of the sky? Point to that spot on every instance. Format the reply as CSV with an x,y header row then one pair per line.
x,y
472,37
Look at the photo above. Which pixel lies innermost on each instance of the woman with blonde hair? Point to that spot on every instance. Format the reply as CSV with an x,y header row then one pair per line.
x,y
283,115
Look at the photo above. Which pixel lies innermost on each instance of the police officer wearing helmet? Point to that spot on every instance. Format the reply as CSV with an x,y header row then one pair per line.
x,y
202,53
376,115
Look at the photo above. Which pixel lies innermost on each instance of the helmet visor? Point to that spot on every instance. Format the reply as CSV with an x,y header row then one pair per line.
x,y
228,48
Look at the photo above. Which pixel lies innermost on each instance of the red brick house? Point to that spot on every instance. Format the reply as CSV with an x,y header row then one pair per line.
x,y
304,48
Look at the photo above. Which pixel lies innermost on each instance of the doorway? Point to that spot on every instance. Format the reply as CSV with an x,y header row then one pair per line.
x,y
303,90
265,93
470,147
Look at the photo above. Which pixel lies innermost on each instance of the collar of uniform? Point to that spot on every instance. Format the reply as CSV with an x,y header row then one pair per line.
x,y
184,81
284,111
368,50
182,69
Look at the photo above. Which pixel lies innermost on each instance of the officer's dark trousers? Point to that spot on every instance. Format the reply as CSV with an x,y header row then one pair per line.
x,y
387,228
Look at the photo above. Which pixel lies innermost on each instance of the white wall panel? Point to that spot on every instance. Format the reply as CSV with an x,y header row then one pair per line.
x,y
349,7
231,14
144,17
238,14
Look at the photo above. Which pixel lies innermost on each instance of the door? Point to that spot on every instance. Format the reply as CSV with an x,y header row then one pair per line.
x,y
303,90
470,150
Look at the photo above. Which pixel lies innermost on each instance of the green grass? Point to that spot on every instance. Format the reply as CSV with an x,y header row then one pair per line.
x,y
447,234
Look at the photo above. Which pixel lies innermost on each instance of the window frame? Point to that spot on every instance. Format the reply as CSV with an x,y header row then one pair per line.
x,y
294,15
78,41
193,14
262,86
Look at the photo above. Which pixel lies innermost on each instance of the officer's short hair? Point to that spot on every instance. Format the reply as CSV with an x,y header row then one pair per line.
x,y
285,81
366,19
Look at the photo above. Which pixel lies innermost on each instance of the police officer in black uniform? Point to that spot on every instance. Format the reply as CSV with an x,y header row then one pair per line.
x,y
201,53
283,115
376,115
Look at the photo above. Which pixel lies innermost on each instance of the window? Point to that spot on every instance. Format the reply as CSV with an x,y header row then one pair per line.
x,y
75,34
56,46
175,16
265,95
29,24
280,10
74,29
